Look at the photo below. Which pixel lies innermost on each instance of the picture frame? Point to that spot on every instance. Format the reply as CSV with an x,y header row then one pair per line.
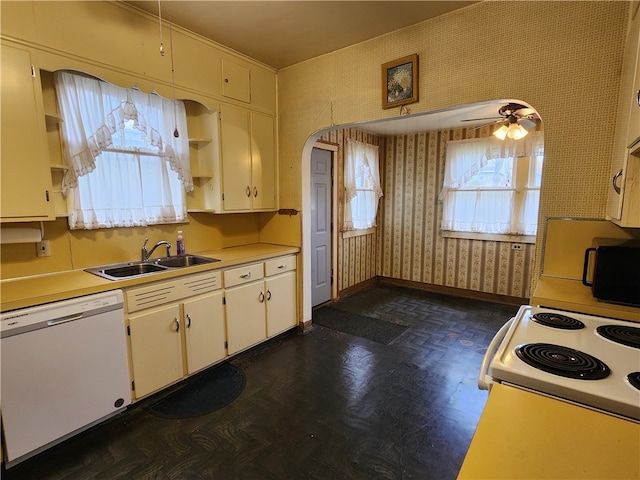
x,y
400,81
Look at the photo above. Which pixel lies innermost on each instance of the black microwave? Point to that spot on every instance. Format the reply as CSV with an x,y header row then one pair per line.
x,y
612,270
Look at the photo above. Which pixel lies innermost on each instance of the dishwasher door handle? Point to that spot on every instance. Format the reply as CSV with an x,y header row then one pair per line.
x,y
68,318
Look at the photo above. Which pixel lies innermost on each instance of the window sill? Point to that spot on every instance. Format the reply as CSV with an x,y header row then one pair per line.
x,y
489,236
358,233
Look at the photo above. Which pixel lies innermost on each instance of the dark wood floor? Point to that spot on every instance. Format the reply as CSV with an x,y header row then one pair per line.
x,y
318,405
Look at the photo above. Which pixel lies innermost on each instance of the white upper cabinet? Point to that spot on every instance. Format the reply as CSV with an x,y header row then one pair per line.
x,y
26,179
248,83
247,145
233,162
236,81
624,187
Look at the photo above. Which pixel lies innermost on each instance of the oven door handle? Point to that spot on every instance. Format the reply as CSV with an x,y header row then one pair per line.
x,y
485,380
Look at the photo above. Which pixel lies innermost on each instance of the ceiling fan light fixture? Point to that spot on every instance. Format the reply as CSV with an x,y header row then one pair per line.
x,y
501,132
516,131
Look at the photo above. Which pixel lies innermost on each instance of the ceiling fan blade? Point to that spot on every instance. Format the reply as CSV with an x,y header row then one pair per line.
x,y
525,112
527,122
478,119
487,124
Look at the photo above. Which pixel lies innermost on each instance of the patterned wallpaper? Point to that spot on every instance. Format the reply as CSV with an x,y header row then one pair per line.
x,y
407,244
411,245
567,64
357,256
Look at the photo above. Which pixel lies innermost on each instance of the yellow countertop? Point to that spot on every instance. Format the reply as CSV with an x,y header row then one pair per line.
x,y
523,435
35,290
572,295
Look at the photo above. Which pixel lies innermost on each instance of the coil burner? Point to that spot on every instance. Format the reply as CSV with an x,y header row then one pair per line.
x,y
563,361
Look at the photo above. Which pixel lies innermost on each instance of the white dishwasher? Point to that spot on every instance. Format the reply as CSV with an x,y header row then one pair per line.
x,y
64,368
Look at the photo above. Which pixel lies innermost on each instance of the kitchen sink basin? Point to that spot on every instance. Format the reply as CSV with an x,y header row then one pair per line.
x,y
121,271
133,270
184,261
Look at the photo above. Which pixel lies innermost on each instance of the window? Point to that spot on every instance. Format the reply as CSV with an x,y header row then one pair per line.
x,y
493,186
362,185
125,165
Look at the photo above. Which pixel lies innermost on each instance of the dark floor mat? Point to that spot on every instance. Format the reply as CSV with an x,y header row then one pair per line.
x,y
367,327
208,392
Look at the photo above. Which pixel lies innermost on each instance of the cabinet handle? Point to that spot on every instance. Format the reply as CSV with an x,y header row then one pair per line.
x,y
255,191
638,98
248,191
177,322
614,181
281,266
246,275
226,80
188,320
261,297
268,294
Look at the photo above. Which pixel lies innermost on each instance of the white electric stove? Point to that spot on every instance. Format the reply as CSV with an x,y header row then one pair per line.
x,y
588,360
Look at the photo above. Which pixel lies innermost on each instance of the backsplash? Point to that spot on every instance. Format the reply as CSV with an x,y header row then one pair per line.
x,y
78,249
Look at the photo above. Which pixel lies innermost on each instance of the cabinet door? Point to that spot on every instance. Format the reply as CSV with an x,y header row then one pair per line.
x,y
236,158
26,179
633,45
236,81
281,303
623,190
245,316
204,331
263,162
156,348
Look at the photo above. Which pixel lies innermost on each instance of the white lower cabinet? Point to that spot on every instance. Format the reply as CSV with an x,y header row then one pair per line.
x,y
179,327
245,316
176,338
156,349
204,331
245,310
281,294
260,301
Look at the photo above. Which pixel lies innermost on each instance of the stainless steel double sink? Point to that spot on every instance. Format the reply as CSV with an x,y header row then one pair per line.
x,y
122,271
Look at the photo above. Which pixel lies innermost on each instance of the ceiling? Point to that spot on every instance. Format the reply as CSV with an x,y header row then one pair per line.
x,y
270,31
466,116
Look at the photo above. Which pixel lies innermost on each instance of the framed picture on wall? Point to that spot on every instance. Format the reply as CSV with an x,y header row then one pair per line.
x,y
400,81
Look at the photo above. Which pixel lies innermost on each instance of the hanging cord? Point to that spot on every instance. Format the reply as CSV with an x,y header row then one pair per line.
x,y
160,18
173,85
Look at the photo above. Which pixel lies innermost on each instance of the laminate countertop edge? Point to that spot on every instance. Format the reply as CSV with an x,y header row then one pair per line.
x,y
526,435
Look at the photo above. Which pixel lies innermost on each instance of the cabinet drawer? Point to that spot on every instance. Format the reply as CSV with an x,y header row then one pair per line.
x,y
245,274
280,265
172,290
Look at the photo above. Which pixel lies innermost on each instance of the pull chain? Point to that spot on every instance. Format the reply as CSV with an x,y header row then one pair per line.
x,y
173,85
160,18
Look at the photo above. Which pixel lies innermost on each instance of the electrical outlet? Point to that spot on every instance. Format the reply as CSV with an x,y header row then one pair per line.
x,y
44,248
517,246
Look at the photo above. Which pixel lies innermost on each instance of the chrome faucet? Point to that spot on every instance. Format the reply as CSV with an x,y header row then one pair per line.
x,y
146,254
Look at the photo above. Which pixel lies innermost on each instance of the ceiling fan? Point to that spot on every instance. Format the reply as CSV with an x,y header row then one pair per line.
x,y
515,120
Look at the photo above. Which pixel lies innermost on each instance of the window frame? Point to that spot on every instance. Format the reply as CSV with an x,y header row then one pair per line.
x,y
360,150
523,180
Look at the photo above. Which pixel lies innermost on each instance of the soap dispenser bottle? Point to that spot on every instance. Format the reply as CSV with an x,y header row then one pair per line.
x,y
180,244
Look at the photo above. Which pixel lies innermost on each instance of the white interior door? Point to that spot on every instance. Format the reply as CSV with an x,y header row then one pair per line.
x,y
321,195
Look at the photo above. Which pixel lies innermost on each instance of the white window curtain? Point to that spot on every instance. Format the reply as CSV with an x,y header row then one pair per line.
x,y
491,208
134,185
361,185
